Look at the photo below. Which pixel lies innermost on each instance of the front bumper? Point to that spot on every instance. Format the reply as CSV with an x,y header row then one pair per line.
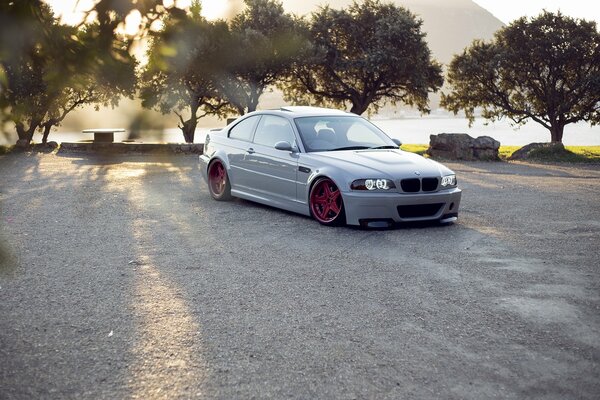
x,y
363,208
203,161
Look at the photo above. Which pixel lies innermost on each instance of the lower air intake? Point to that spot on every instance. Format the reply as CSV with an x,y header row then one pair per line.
x,y
419,210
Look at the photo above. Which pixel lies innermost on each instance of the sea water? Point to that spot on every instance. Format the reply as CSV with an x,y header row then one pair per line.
x,y
409,130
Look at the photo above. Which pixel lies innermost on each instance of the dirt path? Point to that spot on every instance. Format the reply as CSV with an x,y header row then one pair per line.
x,y
120,278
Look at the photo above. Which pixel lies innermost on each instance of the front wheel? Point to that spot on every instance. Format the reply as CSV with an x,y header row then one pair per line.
x,y
218,181
326,204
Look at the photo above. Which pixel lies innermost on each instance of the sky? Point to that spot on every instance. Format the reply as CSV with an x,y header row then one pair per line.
x,y
505,10
508,10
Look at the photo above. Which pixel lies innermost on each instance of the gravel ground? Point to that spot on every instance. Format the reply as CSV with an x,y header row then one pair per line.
x,y
121,278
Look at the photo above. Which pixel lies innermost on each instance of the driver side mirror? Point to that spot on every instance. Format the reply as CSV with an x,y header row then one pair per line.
x,y
397,141
284,146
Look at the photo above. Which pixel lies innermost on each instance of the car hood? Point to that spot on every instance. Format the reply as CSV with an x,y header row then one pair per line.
x,y
384,163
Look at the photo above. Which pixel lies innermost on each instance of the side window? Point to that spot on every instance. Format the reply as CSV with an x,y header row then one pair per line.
x,y
245,129
273,129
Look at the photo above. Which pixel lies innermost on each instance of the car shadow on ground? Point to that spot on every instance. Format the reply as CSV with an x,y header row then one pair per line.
x,y
303,218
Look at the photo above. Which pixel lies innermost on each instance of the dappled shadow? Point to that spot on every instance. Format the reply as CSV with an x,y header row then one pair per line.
x,y
73,301
283,284
8,260
235,299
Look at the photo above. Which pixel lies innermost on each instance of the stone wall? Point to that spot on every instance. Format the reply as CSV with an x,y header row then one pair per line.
x,y
127,148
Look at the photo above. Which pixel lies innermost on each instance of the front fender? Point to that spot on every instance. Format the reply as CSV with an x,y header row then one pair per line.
x,y
338,177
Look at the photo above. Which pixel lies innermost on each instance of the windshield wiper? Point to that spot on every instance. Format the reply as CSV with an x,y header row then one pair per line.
x,y
351,148
387,146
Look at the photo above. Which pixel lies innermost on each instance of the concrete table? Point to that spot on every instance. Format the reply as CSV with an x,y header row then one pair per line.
x,y
104,135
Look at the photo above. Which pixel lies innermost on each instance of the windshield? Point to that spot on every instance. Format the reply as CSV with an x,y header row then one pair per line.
x,y
325,133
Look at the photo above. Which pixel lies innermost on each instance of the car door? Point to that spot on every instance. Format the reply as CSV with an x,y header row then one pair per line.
x,y
274,172
240,142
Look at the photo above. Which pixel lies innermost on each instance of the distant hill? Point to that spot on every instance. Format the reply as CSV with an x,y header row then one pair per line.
x,y
450,25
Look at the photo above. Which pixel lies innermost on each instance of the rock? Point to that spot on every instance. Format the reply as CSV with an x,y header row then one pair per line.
x,y
22,143
486,148
534,150
47,147
460,146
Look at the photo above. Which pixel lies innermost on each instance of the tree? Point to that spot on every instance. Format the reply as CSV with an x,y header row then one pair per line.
x,y
184,59
49,69
21,64
546,69
368,54
265,43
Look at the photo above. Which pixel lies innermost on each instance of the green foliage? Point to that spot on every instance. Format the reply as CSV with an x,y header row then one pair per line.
x,y
420,149
50,69
213,68
366,55
266,43
546,69
184,60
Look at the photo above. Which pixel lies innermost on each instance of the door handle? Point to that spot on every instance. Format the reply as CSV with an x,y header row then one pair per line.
x,y
250,151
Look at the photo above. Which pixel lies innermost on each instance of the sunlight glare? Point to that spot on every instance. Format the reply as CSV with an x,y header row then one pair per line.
x,y
214,9
133,22
71,12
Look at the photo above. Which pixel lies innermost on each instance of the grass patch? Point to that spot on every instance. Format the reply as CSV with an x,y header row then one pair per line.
x,y
589,153
415,148
506,151
573,154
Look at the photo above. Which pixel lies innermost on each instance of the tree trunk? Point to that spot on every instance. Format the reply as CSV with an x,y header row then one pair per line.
x,y
253,99
25,135
47,128
21,132
189,129
556,132
358,108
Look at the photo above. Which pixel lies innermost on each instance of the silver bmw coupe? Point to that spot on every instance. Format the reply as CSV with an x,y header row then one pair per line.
x,y
332,165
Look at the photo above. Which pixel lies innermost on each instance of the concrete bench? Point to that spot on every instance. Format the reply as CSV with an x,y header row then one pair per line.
x,y
104,135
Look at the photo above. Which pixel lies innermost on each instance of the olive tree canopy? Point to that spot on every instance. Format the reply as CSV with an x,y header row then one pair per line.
x,y
47,69
266,43
366,55
184,59
546,69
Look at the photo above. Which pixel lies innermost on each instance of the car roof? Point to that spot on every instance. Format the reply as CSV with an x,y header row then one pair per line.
x,y
304,111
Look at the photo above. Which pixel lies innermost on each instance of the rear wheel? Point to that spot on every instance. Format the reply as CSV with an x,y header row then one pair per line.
x,y
326,204
218,181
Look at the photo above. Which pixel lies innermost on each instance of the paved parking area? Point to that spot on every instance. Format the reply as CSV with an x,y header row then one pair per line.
x,y
120,277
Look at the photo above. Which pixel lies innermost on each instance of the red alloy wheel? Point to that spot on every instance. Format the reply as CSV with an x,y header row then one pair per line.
x,y
217,181
326,202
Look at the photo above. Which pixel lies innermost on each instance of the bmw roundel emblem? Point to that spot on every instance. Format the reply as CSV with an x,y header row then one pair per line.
x,y
417,173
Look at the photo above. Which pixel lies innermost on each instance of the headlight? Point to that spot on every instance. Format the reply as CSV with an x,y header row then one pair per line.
x,y
372,184
448,180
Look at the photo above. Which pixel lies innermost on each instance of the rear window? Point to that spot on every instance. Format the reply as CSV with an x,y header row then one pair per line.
x,y
244,129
